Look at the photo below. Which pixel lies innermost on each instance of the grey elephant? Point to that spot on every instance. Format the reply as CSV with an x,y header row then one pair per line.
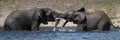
x,y
29,19
88,21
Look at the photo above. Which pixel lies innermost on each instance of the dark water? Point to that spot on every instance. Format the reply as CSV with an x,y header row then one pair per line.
x,y
61,34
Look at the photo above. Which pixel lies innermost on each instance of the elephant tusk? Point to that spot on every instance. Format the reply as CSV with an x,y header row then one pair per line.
x,y
58,18
54,29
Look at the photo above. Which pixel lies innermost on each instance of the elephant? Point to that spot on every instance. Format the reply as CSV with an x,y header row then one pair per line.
x,y
29,19
98,20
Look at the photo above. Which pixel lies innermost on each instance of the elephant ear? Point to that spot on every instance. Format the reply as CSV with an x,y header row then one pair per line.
x,y
81,10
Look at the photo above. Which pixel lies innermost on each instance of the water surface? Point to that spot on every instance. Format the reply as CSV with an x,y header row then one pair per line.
x,y
60,34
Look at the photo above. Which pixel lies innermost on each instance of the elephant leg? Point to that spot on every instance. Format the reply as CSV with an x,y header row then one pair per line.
x,y
79,28
101,24
11,27
6,28
35,26
56,23
106,26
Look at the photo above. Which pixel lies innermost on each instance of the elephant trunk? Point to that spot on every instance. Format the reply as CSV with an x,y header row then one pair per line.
x,y
62,16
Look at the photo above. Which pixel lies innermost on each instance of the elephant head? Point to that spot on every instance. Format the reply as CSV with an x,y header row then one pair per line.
x,y
76,16
45,15
73,14
51,14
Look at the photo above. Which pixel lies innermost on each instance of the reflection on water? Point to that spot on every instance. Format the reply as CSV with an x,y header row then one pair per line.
x,y
60,34
60,29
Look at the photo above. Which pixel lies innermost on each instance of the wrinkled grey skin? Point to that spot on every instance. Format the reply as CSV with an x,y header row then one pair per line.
x,y
98,20
76,17
29,19
88,21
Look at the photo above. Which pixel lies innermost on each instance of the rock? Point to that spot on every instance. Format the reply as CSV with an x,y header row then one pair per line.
x,y
116,22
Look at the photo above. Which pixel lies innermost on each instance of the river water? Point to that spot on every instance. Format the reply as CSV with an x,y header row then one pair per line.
x,y
60,34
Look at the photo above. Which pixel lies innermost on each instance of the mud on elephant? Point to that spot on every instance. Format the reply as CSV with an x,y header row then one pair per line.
x,y
29,19
88,21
